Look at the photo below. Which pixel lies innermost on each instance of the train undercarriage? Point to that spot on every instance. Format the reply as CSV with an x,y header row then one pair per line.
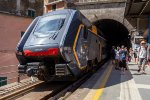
x,y
44,71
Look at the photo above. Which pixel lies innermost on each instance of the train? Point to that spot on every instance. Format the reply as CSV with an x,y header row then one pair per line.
x,y
62,44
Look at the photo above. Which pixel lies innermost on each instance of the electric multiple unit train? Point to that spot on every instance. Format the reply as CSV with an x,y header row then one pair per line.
x,y
60,44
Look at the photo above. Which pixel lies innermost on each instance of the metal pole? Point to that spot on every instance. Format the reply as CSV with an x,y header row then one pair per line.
x,y
18,78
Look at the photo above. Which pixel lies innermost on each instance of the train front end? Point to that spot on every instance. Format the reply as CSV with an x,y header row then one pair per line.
x,y
39,50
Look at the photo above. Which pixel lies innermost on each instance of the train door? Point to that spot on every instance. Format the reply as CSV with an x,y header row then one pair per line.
x,y
82,48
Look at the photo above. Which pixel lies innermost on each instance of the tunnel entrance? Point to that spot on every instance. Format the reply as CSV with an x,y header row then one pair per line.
x,y
114,32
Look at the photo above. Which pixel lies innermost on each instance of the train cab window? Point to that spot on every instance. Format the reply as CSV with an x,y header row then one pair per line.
x,y
85,35
49,25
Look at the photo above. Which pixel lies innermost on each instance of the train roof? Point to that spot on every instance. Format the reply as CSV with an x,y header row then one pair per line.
x,y
63,11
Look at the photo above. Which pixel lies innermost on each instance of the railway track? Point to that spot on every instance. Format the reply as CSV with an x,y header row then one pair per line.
x,y
15,90
44,90
64,94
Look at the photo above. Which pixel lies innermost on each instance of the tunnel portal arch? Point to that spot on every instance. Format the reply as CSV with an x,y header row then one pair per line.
x,y
115,28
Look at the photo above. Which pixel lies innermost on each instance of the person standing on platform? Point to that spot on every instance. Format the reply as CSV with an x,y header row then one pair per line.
x,y
130,54
135,55
142,55
117,58
122,56
113,54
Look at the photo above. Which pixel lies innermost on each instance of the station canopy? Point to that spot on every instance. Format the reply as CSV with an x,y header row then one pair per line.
x,y
137,8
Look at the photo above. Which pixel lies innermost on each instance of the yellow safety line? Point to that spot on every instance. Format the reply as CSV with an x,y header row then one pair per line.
x,y
104,80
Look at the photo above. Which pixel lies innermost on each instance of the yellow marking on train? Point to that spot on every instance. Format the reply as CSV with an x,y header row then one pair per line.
x,y
104,80
74,46
93,32
94,29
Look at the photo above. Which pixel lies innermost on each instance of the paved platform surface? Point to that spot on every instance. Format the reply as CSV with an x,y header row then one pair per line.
x,y
110,84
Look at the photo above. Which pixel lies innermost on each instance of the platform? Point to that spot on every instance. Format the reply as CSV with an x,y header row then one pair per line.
x,y
110,84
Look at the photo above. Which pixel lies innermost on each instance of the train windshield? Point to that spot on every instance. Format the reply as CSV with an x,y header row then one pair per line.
x,y
49,25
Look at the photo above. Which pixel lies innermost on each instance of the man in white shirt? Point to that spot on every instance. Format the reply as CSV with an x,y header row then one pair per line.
x,y
142,55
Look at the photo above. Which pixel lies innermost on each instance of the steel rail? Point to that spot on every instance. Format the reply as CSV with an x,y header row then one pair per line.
x,y
21,91
64,94
14,87
70,89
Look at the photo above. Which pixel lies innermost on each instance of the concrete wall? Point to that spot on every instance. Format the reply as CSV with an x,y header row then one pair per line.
x,y
10,29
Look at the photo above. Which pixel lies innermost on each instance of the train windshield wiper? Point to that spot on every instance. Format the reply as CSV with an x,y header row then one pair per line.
x,y
61,23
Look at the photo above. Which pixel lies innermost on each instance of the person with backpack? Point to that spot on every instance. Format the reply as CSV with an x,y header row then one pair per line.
x,y
122,60
142,56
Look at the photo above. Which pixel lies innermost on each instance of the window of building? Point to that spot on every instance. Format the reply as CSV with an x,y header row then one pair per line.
x,y
54,7
31,13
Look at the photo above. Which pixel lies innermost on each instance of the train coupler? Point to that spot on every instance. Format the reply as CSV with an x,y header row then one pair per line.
x,y
33,68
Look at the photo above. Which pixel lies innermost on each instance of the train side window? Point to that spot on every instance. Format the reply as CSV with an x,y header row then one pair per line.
x,y
85,35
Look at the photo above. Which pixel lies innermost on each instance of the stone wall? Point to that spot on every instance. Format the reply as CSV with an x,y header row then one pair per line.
x,y
115,11
21,7
112,10
100,11
8,6
36,5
